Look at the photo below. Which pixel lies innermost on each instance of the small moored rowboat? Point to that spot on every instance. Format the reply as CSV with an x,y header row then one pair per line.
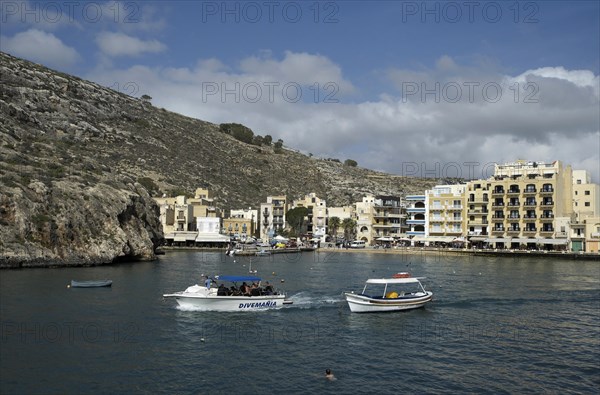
x,y
91,283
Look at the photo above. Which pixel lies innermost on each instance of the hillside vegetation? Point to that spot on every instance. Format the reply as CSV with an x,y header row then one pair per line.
x,y
80,162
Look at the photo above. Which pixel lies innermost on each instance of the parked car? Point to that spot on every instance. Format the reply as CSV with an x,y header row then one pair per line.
x,y
357,244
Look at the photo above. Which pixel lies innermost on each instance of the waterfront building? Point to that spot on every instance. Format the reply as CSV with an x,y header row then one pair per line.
x,y
415,211
342,212
237,228
584,229
364,219
444,214
387,218
530,205
586,196
477,219
272,216
209,233
203,204
248,213
379,218
316,219
175,214
179,218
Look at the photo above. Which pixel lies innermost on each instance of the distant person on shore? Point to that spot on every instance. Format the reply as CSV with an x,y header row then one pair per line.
x,y
329,376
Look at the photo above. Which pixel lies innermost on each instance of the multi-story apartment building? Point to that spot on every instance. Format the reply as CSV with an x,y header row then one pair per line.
x,y
444,213
176,215
387,218
272,216
477,219
316,219
364,218
415,211
584,229
379,218
203,204
528,202
183,221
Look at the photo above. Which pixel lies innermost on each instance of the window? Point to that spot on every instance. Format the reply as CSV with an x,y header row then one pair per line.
x,y
587,204
587,193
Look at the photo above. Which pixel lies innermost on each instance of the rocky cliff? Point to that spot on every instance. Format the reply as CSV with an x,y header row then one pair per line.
x,y
80,162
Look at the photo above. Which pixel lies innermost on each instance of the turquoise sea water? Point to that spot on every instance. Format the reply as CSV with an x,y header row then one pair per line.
x,y
498,325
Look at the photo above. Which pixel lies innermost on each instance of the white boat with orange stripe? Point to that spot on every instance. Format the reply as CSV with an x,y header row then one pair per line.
x,y
401,292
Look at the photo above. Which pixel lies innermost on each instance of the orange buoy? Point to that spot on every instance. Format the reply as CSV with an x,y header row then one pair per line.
x,y
401,275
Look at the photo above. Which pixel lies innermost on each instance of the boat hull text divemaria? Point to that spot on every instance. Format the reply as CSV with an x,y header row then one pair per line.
x,y
202,298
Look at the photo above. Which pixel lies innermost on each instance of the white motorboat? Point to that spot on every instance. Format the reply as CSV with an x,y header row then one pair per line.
x,y
263,252
200,297
401,292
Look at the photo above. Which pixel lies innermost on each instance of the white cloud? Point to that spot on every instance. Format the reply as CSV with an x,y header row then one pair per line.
x,y
559,121
41,47
120,44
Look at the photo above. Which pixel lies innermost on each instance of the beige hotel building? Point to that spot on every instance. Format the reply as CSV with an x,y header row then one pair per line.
x,y
524,204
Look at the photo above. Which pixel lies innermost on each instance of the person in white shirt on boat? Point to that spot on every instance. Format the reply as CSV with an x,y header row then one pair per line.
x,y
208,282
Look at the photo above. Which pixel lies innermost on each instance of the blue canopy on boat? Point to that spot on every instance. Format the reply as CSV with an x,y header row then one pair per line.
x,y
238,278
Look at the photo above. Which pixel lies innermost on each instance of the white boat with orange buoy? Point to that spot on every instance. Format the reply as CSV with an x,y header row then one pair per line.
x,y
401,292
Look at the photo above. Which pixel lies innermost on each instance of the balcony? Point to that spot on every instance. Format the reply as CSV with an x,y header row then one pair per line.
x,y
514,217
415,222
529,231
547,203
478,212
515,203
530,191
497,218
513,192
530,203
529,218
479,200
547,218
385,225
498,205
546,231
437,219
496,231
498,192
513,230
546,191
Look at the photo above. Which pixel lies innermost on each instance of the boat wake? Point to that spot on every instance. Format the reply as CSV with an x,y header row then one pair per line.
x,y
305,300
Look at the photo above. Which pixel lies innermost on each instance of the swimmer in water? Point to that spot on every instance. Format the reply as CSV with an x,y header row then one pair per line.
x,y
329,375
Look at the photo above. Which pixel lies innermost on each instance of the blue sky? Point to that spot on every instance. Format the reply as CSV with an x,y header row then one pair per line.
x,y
384,82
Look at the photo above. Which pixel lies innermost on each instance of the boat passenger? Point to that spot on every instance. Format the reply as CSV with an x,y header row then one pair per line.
x,y
245,289
255,290
207,282
222,291
268,289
